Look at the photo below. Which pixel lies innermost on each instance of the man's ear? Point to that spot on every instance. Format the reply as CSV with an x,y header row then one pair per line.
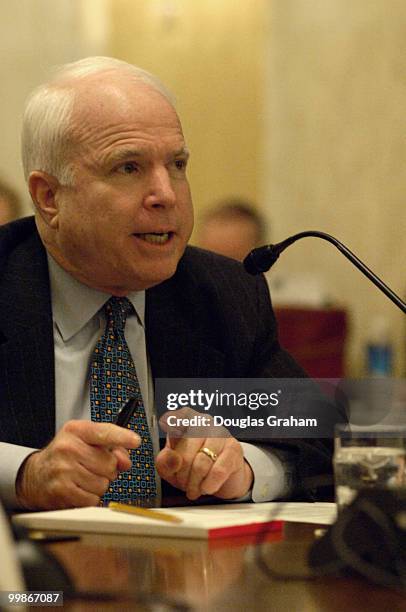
x,y
43,188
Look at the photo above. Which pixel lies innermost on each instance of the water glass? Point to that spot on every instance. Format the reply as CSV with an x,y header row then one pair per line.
x,y
368,458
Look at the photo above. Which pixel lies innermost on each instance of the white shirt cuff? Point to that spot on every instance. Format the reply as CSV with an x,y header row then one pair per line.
x,y
270,475
11,458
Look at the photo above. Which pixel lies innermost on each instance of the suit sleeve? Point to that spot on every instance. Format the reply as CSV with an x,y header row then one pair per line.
x,y
307,462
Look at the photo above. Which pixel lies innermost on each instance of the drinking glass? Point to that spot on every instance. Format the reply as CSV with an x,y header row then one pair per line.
x,y
368,458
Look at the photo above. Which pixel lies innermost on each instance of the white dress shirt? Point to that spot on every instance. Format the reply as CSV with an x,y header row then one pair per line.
x,y
78,323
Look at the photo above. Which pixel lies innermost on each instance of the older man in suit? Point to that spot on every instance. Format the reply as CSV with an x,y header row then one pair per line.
x,y
105,161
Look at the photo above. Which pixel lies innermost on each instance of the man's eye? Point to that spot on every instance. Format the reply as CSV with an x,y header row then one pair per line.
x,y
128,168
180,164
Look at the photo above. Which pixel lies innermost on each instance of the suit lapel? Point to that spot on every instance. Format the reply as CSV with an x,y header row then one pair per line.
x,y
177,343
176,339
26,347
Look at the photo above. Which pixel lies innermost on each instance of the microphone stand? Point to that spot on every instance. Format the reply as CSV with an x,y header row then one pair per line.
x,y
335,551
261,259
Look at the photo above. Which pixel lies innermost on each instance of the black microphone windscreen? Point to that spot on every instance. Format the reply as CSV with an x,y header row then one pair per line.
x,y
261,259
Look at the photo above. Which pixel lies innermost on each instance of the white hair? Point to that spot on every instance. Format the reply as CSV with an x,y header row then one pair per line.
x,y
46,130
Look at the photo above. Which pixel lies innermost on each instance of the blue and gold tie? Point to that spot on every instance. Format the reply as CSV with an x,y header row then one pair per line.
x,y
113,381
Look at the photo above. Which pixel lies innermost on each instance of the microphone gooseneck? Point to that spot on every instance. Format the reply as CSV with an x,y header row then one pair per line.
x,y
261,259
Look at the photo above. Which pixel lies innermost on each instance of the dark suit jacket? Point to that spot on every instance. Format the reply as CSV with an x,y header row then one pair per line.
x,y
211,319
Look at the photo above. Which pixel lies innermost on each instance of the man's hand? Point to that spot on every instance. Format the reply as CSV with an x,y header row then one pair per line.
x,y
76,467
184,467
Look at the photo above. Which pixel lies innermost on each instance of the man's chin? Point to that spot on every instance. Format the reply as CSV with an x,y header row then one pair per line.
x,y
136,282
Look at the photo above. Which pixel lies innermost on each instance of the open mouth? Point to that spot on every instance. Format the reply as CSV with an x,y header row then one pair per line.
x,y
155,237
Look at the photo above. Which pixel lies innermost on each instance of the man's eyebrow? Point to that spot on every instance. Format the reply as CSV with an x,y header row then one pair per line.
x,y
122,154
183,151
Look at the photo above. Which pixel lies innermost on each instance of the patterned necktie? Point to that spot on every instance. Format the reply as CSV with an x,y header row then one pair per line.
x,y
113,381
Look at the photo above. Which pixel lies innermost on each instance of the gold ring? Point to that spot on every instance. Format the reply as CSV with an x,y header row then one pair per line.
x,y
209,453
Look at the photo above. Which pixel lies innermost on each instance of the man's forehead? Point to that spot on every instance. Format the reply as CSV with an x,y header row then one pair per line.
x,y
120,94
121,107
123,114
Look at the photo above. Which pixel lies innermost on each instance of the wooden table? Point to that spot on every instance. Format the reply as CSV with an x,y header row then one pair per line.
x,y
217,575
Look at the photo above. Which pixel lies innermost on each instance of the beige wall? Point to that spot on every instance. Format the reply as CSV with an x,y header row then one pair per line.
x,y
335,148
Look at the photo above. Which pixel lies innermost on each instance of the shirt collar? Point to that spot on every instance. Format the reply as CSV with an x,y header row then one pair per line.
x,y
74,304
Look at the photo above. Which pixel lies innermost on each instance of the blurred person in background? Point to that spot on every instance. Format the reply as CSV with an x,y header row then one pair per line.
x,y
309,329
10,203
232,228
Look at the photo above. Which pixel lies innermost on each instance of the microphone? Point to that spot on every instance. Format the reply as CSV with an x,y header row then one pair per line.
x,y
366,539
261,259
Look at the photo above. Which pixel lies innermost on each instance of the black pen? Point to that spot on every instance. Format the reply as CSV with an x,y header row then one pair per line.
x,y
125,413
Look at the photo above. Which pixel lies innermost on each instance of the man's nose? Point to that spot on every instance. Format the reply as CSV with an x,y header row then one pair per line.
x,y
160,192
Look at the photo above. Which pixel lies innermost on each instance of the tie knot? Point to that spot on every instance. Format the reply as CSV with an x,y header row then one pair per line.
x,y
117,309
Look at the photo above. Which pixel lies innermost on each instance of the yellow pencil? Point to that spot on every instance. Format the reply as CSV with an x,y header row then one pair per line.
x,y
146,512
